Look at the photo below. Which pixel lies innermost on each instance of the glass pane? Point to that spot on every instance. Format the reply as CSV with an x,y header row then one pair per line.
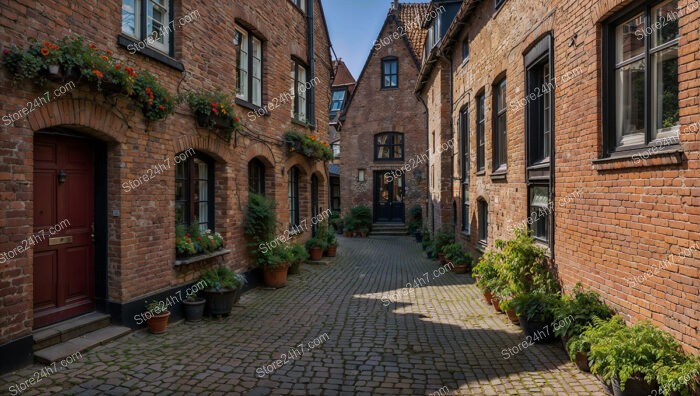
x,y
664,23
398,152
180,190
547,115
664,93
383,152
202,169
629,103
243,67
539,197
129,17
629,38
179,213
383,139
398,138
398,189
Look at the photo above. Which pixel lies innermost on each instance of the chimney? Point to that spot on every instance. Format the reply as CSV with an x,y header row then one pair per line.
x,y
395,6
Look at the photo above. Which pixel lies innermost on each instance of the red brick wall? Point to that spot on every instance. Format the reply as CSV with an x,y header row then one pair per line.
x,y
613,221
374,110
141,240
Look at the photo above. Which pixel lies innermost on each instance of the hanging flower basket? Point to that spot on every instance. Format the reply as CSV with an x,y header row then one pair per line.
x,y
213,110
308,145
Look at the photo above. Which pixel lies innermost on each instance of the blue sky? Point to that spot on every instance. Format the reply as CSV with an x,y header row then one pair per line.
x,y
353,26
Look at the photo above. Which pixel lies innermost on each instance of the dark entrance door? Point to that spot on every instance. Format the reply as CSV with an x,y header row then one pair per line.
x,y
388,198
64,177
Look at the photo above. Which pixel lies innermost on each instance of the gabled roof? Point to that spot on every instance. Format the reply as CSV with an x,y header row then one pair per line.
x,y
343,77
411,17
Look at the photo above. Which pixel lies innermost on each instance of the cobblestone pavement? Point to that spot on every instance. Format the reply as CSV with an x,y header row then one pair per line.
x,y
440,337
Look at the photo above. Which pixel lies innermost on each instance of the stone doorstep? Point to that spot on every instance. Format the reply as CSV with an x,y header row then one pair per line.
x,y
82,343
69,329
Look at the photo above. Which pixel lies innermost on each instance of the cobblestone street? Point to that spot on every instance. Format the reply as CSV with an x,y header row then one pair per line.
x,y
439,337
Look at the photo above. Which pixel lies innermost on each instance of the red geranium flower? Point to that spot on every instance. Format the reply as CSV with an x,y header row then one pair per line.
x,y
161,107
44,51
98,73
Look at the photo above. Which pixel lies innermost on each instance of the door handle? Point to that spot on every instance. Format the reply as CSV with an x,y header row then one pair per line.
x,y
92,231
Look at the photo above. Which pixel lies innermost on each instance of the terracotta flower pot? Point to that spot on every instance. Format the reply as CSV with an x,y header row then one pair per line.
x,y
158,324
512,316
581,361
347,234
275,277
363,234
332,250
316,253
488,296
460,269
496,302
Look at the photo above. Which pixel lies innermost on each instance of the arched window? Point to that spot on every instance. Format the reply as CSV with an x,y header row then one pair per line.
x,y
293,194
256,176
388,146
194,190
483,209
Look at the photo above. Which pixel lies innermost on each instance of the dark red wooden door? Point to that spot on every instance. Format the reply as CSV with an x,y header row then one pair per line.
x,y
64,192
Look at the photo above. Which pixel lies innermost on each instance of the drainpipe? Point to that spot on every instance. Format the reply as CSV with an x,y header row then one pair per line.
x,y
452,132
427,165
312,66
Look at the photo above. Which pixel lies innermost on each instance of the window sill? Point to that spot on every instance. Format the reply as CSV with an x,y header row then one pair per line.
x,y
201,257
499,175
389,88
672,155
131,44
481,173
481,246
303,124
258,110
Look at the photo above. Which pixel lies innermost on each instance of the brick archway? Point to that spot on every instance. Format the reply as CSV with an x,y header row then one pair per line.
x,y
81,115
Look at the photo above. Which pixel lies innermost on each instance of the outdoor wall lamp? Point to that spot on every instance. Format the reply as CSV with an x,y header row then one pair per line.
x,y
360,175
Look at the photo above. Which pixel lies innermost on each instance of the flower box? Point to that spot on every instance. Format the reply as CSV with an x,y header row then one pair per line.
x,y
200,257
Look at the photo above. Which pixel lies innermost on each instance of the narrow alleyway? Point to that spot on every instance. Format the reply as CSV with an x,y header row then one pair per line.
x,y
357,339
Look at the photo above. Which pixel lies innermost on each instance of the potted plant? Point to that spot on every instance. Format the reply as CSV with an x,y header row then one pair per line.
x,y
222,284
599,330
487,275
259,225
315,247
275,266
415,222
213,110
536,314
308,145
461,260
443,238
193,307
298,255
426,239
332,244
158,322
631,358
349,226
575,313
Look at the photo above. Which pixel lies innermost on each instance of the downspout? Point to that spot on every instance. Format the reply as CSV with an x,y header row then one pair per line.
x,y
452,132
312,63
427,165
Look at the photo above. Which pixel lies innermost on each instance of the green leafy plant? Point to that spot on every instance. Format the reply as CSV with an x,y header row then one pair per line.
x,y
486,273
156,307
455,254
576,312
298,254
443,238
598,331
22,65
214,109
191,241
427,238
157,102
222,278
260,223
638,351
679,378
316,243
308,145
415,219
274,258
537,307
362,216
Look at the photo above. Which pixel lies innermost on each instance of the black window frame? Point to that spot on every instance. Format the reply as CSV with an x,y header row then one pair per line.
x,y
464,132
481,133
342,102
610,146
483,230
335,198
293,196
256,176
296,64
465,49
143,25
391,145
300,5
248,100
498,4
499,139
385,60
190,190
539,166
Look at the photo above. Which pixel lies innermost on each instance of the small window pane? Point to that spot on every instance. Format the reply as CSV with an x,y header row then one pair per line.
x,y
665,23
628,35
630,103
243,66
257,73
664,93
539,212
130,17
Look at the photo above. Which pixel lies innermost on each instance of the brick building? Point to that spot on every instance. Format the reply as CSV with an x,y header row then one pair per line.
x,y
383,134
552,132
341,90
82,156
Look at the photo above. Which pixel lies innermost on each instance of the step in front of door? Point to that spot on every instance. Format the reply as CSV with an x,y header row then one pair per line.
x,y
79,344
69,329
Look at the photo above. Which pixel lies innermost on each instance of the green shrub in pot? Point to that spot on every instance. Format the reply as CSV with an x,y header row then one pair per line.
x,y
576,312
